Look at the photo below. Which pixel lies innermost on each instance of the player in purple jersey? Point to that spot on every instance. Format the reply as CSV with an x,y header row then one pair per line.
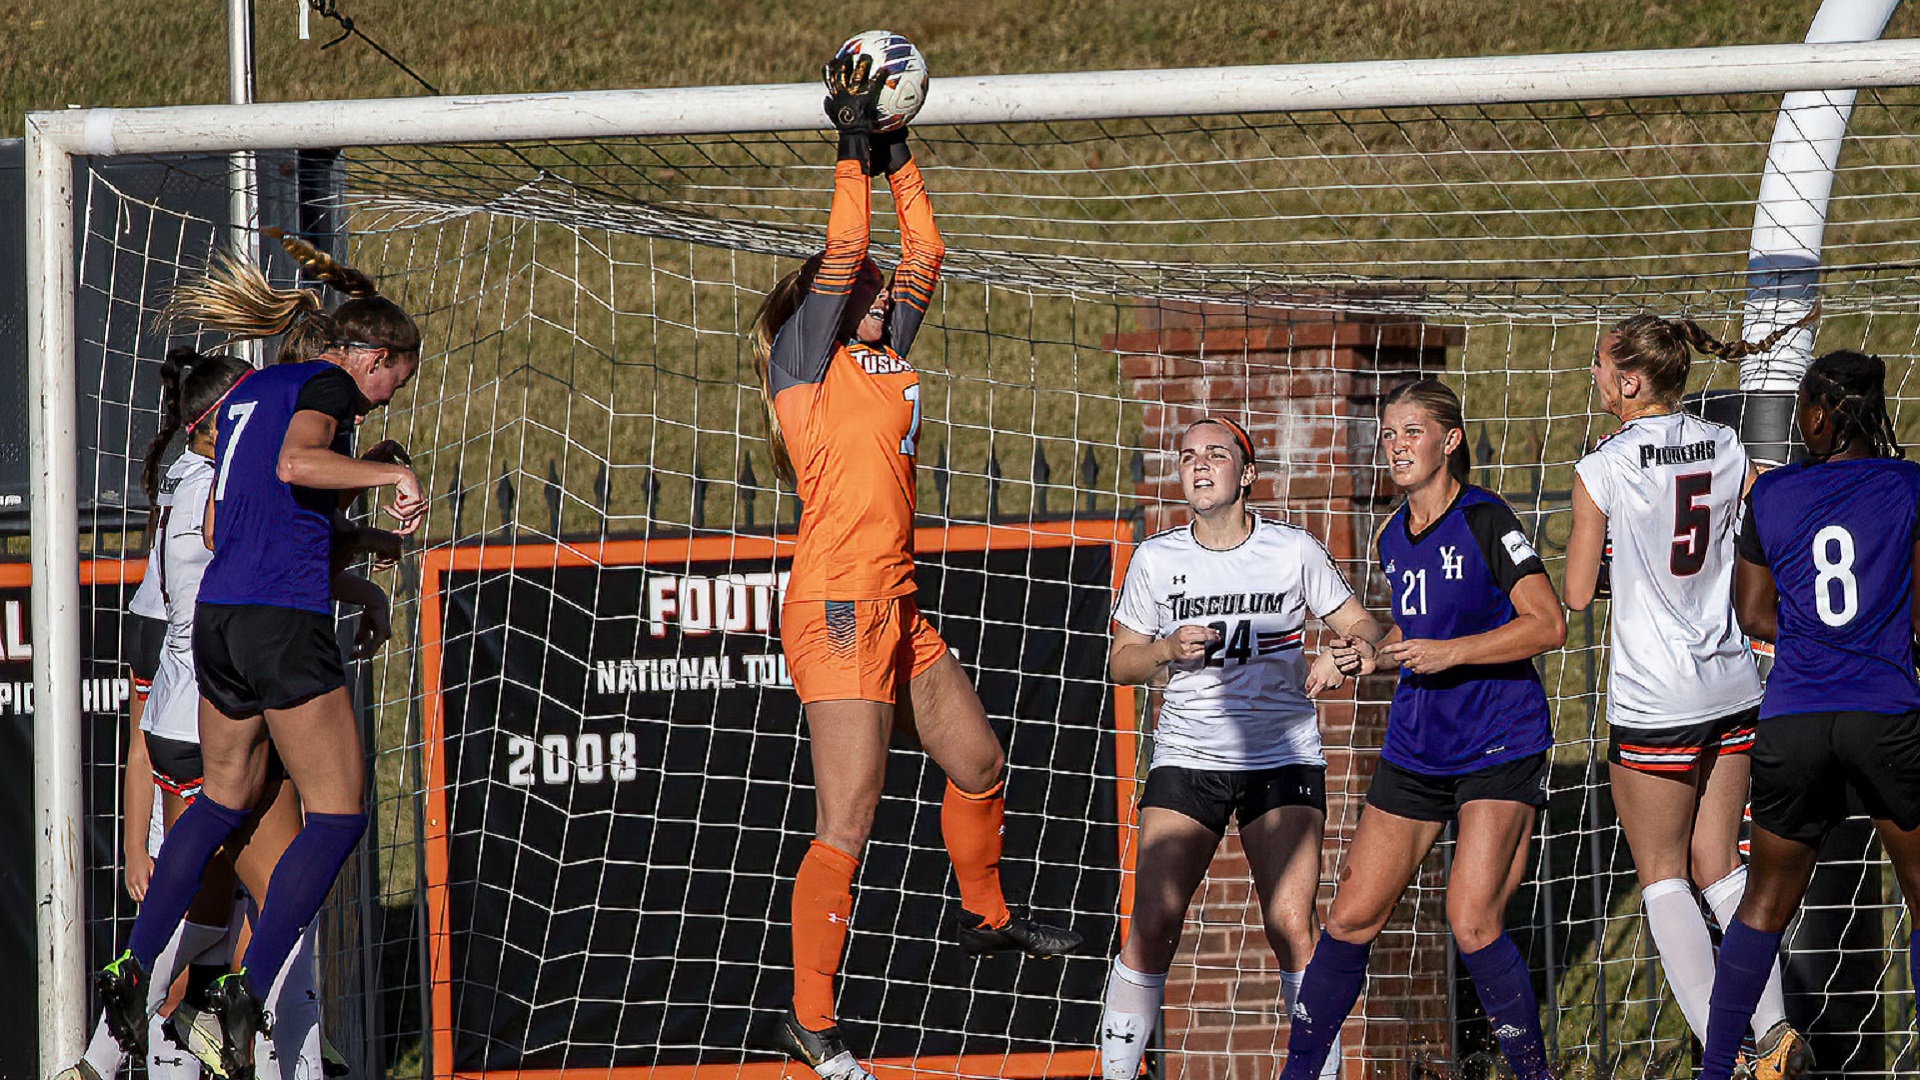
x,y
1467,734
1827,559
263,640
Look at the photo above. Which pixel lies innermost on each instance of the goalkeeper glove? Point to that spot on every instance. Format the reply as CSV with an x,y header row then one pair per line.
x,y
853,104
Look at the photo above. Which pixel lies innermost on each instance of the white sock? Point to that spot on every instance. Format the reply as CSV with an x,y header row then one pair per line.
x,y
1127,1020
1723,897
103,1051
1289,993
293,1053
1686,948
190,943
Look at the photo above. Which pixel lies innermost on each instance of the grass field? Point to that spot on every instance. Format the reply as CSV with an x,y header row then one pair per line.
x,y
571,344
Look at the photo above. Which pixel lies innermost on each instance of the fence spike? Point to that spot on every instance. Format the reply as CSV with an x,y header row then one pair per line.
x,y
503,491
552,494
749,489
1042,472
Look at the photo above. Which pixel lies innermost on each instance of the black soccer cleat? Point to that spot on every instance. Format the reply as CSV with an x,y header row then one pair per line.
x,y
241,1017
822,1051
123,997
1035,939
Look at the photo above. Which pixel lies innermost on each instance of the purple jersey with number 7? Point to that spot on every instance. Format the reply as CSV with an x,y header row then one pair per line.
x,y
271,539
1838,537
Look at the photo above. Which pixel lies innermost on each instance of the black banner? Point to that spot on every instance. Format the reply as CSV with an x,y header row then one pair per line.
x,y
104,694
628,795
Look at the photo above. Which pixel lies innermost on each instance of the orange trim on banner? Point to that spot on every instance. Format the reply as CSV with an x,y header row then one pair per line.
x,y
435,564
1029,1066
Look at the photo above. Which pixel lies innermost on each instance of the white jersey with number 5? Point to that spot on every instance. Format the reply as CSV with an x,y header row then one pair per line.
x,y
1670,488
1243,706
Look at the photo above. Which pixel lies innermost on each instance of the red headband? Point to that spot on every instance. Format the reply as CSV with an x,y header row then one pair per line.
x,y
217,401
1239,433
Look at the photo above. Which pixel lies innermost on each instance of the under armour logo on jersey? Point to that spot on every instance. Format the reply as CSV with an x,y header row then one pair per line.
x,y
1123,1035
1451,561
1179,579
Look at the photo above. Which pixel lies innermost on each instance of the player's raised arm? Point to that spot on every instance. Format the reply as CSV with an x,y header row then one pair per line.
x,y
921,249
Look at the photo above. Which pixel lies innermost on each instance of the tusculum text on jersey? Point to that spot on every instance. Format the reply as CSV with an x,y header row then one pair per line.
x,y
1196,607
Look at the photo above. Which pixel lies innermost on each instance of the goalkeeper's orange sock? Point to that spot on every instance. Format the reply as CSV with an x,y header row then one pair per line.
x,y
972,827
822,904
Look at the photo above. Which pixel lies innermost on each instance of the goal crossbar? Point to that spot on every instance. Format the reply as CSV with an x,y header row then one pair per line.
x,y
55,139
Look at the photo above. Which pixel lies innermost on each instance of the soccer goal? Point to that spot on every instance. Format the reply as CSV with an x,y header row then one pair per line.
x,y
589,781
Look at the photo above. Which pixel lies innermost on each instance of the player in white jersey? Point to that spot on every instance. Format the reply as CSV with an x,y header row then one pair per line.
x,y
1215,614
142,631
1682,693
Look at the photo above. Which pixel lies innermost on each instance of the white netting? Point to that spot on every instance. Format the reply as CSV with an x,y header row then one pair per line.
x,y
590,870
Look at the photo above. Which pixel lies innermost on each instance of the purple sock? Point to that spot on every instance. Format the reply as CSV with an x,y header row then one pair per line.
x,y
1746,962
1333,981
176,875
1501,979
300,884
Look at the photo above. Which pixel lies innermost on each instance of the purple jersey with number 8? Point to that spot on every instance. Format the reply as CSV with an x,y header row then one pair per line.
x,y
271,539
1838,537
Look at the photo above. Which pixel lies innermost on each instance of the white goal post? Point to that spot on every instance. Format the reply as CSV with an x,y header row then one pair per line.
x,y
54,140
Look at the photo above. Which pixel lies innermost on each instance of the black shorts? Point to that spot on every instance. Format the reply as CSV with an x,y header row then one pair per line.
x,y
251,658
1423,797
143,637
1670,750
1211,796
176,765
1804,763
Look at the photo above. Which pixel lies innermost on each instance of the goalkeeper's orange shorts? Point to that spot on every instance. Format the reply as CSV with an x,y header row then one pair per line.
x,y
861,650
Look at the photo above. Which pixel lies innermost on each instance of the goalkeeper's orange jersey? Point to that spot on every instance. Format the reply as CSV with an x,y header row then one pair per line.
x,y
850,412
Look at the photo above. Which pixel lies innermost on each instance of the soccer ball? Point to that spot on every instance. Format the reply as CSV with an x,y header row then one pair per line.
x,y
906,72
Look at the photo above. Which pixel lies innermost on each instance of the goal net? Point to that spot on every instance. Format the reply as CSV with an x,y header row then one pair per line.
x,y
590,786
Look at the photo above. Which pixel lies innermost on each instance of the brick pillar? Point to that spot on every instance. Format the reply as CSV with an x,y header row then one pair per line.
x,y
1306,384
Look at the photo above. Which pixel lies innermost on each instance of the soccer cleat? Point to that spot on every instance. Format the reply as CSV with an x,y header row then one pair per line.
x,y
79,1070
1034,939
197,1031
1781,1054
231,1004
821,1051
123,996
